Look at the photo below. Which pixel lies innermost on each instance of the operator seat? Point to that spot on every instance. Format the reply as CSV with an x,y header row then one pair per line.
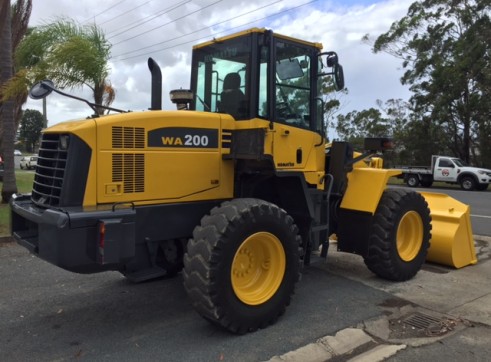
x,y
232,99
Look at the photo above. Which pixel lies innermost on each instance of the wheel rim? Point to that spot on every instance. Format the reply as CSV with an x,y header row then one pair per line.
x,y
467,184
412,181
258,268
409,235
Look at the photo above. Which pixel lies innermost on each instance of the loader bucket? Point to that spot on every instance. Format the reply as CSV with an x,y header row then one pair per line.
x,y
452,242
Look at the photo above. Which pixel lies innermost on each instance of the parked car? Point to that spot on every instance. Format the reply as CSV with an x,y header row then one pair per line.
x,y
17,153
28,162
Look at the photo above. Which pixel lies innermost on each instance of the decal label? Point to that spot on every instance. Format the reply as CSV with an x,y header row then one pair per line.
x,y
285,164
183,137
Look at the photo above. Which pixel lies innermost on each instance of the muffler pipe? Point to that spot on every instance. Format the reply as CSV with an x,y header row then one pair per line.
x,y
156,85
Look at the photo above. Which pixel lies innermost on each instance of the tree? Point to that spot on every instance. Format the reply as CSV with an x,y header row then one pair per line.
x,y
394,119
445,47
7,106
30,128
20,14
69,54
356,125
331,100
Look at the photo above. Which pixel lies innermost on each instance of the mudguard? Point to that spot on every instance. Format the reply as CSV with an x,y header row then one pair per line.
x,y
365,188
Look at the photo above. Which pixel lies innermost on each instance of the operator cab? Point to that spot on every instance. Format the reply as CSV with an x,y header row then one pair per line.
x,y
258,74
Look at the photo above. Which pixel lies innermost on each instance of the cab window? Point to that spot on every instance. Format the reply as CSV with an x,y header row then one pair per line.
x,y
445,163
222,78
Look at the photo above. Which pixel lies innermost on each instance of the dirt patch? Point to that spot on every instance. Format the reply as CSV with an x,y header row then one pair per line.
x,y
6,239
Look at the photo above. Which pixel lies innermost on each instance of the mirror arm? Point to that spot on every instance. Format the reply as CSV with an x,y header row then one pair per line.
x,y
90,104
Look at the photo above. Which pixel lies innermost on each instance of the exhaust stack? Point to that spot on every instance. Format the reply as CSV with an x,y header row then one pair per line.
x,y
156,85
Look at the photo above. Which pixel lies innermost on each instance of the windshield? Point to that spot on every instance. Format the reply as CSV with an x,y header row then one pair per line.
x,y
459,162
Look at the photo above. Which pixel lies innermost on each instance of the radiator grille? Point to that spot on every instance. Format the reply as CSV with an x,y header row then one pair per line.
x,y
128,137
129,168
50,171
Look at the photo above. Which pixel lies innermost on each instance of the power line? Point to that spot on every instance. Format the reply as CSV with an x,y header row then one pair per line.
x,y
141,21
126,12
170,22
217,33
196,31
103,11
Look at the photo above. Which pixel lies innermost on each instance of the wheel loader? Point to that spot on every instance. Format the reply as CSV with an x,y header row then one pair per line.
x,y
237,187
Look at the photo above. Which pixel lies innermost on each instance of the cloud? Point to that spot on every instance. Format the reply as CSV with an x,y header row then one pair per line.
x,y
178,24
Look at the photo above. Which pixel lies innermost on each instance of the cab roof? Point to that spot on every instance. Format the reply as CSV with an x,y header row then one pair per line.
x,y
256,30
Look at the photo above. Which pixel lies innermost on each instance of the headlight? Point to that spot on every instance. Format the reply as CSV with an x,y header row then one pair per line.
x,y
484,172
64,139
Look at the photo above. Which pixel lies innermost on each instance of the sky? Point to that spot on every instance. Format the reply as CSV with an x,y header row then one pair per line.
x,y
167,30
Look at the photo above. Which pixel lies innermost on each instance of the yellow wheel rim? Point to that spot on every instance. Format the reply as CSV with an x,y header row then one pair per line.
x,y
409,235
258,268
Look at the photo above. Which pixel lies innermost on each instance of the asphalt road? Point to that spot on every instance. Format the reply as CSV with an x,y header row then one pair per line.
x,y
479,201
49,314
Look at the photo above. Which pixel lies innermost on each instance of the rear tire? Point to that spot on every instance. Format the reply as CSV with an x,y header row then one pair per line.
x,y
412,180
426,183
242,264
399,235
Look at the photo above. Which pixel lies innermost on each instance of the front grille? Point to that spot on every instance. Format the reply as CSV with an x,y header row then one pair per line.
x,y
50,171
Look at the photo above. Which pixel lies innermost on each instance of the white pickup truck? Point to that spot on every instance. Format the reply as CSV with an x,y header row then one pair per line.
x,y
447,169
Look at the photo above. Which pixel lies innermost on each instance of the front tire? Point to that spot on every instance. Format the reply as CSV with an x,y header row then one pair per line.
x,y
468,183
242,264
399,235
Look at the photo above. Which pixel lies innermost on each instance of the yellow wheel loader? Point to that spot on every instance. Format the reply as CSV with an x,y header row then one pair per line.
x,y
236,187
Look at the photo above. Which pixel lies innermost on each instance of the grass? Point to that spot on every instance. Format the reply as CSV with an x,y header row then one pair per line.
x,y
24,185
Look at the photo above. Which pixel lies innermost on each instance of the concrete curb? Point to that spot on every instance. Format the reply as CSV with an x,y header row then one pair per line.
x,y
378,353
342,345
482,238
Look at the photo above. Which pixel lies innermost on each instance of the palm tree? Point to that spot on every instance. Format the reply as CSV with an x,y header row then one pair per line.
x,y
70,55
7,106
20,14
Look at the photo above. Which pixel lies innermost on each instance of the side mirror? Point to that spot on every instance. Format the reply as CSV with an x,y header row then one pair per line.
x,y
41,89
338,76
337,73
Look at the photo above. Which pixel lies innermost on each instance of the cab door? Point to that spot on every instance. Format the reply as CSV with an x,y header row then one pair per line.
x,y
294,141
445,170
